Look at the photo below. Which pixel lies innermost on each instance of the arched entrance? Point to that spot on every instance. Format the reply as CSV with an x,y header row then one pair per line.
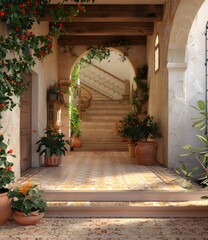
x,y
104,97
178,96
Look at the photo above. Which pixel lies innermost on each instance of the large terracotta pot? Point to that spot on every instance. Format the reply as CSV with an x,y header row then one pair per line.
x,y
52,161
131,150
146,152
76,142
5,208
32,219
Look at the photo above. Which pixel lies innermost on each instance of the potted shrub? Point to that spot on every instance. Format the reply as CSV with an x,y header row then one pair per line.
x,y
126,128
6,177
56,92
146,149
75,127
53,146
27,204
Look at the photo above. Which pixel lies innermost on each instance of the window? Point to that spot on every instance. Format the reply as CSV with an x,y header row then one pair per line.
x,y
157,54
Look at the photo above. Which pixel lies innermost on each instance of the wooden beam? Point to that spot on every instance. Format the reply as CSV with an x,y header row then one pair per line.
x,y
120,2
99,40
106,29
119,13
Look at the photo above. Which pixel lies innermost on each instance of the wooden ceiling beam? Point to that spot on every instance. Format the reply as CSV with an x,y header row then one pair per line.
x,y
106,29
99,40
119,13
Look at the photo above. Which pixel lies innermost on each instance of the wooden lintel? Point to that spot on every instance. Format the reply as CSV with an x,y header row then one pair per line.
x,y
106,29
119,13
100,40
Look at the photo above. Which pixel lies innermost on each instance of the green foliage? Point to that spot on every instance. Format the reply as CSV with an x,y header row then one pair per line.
x,y
200,153
6,173
52,143
134,129
27,198
75,122
21,48
141,88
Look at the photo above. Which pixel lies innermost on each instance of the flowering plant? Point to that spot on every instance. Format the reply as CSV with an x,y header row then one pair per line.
x,y
60,88
52,143
21,48
127,127
27,198
134,129
6,173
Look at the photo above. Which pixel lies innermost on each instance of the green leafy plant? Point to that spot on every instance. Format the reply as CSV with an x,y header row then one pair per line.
x,y
21,48
27,198
134,129
52,143
6,173
200,154
75,122
140,94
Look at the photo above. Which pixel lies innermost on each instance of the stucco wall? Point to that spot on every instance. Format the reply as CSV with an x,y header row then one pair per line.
x,y
158,82
44,74
195,84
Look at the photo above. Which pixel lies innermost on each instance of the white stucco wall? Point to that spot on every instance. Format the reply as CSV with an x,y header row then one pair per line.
x,y
195,80
44,74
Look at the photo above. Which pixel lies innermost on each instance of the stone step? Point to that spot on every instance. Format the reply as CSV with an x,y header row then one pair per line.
x,y
134,203
98,124
105,111
110,106
114,117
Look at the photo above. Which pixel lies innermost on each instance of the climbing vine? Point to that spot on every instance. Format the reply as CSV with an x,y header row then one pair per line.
x,y
21,48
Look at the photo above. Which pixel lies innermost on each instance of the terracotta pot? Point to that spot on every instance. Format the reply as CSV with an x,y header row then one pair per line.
x,y
131,150
146,152
52,161
76,142
32,219
5,208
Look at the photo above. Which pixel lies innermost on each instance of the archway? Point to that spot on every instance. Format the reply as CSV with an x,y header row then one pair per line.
x,y
102,83
178,103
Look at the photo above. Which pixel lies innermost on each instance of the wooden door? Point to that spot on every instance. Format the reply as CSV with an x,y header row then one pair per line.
x,y
25,127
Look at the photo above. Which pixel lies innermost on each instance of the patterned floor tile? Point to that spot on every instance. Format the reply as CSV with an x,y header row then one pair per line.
x,y
109,229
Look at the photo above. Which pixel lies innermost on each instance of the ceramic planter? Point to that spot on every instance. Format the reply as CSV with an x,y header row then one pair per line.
x,y
76,142
146,152
5,208
32,219
131,148
52,161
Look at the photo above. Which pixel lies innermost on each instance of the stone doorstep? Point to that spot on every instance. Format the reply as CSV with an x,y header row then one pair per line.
x,y
126,204
127,212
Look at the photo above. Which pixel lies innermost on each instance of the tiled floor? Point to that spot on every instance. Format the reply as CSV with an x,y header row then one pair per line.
x,y
109,229
106,171
102,171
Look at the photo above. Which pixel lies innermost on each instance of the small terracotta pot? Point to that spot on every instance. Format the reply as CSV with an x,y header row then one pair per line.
x,y
52,161
131,150
5,208
32,219
146,152
76,142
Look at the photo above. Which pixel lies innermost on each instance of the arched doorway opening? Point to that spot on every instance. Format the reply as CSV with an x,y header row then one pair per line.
x,y
183,77
103,88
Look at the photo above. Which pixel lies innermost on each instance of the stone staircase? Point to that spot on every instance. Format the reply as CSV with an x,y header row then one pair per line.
x,y
98,127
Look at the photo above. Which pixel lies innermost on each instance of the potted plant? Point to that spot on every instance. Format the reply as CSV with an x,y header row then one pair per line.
x,y
6,177
126,128
75,127
53,146
146,149
27,204
56,92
